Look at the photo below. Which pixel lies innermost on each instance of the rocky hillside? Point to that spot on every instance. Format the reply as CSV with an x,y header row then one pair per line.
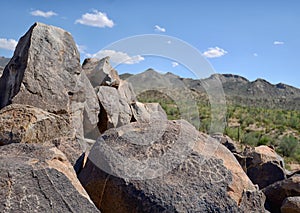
x,y
238,90
75,139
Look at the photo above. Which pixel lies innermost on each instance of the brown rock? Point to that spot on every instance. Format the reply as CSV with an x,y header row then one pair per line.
x,y
277,192
166,166
27,124
291,205
37,178
100,72
45,72
264,166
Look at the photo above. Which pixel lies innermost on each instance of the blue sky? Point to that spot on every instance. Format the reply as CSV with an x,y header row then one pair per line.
x,y
254,39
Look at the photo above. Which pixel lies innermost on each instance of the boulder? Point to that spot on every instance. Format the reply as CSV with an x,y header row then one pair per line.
x,y
45,72
1,70
147,112
100,72
115,110
263,165
36,178
291,205
28,124
126,92
277,192
166,166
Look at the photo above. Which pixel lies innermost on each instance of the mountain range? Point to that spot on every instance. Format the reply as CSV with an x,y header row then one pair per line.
x,y
238,90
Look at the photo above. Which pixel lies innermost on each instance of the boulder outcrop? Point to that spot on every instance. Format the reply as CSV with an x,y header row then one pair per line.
x,y
166,166
36,178
291,205
100,72
277,192
30,125
263,165
45,72
115,109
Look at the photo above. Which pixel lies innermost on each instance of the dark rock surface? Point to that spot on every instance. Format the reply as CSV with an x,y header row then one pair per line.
x,y
291,205
37,178
277,192
263,165
45,72
166,166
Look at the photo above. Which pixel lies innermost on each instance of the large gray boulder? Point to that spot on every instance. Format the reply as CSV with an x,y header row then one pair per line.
x,y
100,72
115,109
166,166
45,72
36,178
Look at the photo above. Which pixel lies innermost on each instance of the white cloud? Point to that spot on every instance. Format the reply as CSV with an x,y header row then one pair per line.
x,y
174,64
255,54
95,19
169,42
8,44
159,29
81,48
47,14
119,57
214,52
278,42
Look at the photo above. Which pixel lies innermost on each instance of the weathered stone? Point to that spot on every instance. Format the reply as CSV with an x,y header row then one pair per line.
x,y
37,178
156,111
126,92
264,166
166,166
291,205
27,124
115,110
100,72
277,192
147,112
45,72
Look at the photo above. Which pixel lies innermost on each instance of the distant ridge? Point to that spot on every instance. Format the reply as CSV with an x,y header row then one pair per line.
x,y
238,89
3,61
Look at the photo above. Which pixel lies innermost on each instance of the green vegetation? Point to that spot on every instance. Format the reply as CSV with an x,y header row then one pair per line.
x,y
249,125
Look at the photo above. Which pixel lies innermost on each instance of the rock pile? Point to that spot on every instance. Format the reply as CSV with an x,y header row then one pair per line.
x,y
52,110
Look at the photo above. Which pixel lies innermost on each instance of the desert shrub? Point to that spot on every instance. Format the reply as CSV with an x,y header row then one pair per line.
x,y
251,138
264,140
289,146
